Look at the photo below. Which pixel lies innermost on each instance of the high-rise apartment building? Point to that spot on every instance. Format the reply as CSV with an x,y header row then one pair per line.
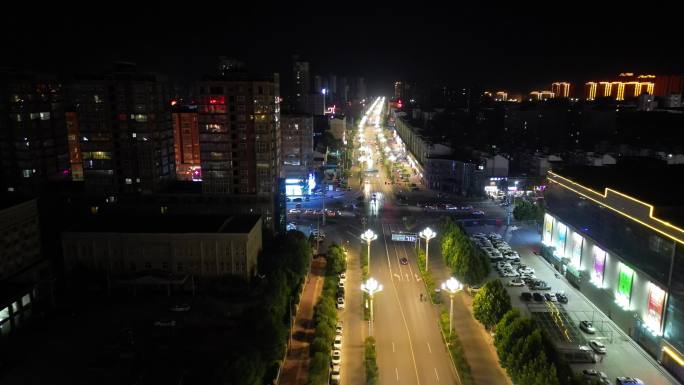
x,y
301,83
561,89
297,145
239,133
186,142
120,131
33,137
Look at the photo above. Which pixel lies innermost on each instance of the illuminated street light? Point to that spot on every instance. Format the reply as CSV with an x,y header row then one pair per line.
x,y
369,236
371,287
451,286
427,234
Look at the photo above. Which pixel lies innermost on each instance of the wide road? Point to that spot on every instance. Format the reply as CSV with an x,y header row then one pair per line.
x,y
410,348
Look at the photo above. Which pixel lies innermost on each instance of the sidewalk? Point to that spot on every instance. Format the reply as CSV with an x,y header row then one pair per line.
x,y
296,365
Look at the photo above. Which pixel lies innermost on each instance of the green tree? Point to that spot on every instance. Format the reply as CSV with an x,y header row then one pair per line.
x,y
510,335
491,303
318,369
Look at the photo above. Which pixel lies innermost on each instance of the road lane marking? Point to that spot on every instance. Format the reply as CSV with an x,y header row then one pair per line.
x,y
436,375
403,317
428,344
396,371
389,264
393,347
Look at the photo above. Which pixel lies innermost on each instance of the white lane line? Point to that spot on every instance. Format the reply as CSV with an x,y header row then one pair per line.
x,y
409,265
396,371
396,253
392,347
403,317
436,375
430,349
389,264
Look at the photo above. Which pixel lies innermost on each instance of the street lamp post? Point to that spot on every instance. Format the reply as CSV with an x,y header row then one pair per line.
x,y
369,236
324,91
452,286
427,234
371,287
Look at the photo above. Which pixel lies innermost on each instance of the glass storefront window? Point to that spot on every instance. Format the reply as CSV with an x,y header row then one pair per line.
x,y
599,267
561,234
654,313
576,256
548,228
4,314
623,295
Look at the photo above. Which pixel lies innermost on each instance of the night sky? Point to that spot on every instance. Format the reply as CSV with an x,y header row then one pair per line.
x,y
512,48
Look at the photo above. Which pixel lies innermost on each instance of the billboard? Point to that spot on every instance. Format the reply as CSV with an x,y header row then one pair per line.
x,y
624,288
548,227
599,266
654,313
576,256
404,237
561,234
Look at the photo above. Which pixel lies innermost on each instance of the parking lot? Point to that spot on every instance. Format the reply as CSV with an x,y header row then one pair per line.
x,y
623,356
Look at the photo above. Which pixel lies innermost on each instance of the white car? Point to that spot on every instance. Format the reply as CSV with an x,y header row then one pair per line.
x,y
493,236
295,211
343,278
336,357
526,270
516,282
510,273
291,227
338,328
340,302
338,342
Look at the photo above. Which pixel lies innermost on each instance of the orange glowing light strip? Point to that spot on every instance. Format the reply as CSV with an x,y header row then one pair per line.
x,y
605,195
674,355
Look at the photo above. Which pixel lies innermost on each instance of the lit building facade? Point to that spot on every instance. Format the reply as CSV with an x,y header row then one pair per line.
x,y
239,133
622,256
297,146
120,131
186,143
561,89
541,95
626,86
33,135
301,84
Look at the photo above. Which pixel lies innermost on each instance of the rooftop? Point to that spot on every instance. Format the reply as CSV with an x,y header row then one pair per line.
x,y
160,224
645,179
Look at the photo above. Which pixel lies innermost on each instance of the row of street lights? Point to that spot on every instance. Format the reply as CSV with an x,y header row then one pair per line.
x,y
372,286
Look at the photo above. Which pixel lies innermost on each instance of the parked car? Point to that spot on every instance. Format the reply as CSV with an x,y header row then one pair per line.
x,y
343,277
526,296
340,302
295,211
538,297
478,213
550,297
516,282
403,261
628,381
598,347
335,375
562,298
165,323
525,270
595,375
336,357
298,206
340,283
183,307
338,342
338,327
297,199
587,327
291,226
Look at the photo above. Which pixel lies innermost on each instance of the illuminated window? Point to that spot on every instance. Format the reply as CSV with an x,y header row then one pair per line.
x,y
34,116
139,117
599,267
25,300
129,180
44,116
26,173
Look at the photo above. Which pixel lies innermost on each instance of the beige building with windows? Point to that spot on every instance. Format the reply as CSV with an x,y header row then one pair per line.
x,y
176,247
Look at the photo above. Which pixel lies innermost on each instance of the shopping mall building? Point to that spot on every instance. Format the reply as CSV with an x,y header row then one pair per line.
x,y
617,234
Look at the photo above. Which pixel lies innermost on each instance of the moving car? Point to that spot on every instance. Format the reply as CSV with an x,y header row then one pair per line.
x,y
403,261
598,347
340,302
587,327
478,213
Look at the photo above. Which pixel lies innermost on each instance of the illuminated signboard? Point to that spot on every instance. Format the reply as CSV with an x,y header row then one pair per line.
x,y
654,315
560,239
599,267
548,227
624,289
404,237
576,257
